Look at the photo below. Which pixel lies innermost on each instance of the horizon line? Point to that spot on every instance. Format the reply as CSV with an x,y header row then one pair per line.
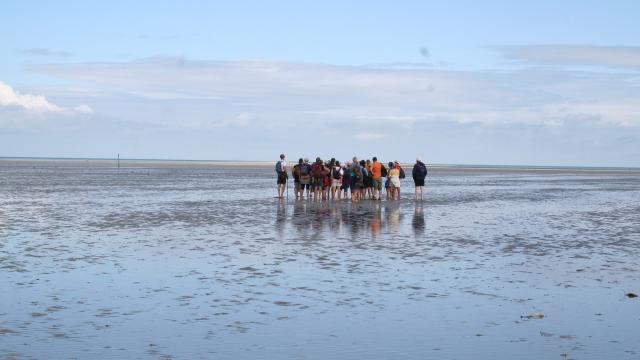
x,y
4,158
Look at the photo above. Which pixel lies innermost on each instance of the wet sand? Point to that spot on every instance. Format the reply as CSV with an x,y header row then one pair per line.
x,y
202,262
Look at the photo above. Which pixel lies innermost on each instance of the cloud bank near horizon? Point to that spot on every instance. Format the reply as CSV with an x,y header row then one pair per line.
x,y
587,55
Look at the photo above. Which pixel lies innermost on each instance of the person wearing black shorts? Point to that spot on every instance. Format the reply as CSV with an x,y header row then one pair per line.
x,y
419,173
281,170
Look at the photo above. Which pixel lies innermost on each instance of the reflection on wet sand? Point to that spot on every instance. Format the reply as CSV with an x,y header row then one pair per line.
x,y
418,219
366,218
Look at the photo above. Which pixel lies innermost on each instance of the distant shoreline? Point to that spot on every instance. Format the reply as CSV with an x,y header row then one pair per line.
x,y
173,163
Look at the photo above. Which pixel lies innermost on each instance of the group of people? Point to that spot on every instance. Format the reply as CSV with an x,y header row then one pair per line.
x,y
362,179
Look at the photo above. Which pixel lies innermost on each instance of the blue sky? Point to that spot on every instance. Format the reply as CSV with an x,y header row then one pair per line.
x,y
492,82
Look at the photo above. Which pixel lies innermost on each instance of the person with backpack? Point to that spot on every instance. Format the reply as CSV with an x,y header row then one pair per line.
x,y
365,179
419,173
387,184
356,180
281,170
318,173
346,181
336,179
305,178
368,180
394,182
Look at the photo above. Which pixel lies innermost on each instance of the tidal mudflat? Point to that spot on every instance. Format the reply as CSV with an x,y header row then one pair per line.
x,y
189,263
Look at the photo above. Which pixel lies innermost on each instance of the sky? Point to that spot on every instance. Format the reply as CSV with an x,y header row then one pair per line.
x,y
456,82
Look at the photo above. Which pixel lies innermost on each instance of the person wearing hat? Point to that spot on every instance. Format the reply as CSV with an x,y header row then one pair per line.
x,y
281,170
419,173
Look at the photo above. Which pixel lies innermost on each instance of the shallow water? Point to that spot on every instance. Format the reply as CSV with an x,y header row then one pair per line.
x,y
205,263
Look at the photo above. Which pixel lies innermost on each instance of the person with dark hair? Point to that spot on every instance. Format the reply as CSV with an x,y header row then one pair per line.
x,y
376,178
387,184
419,173
365,179
281,170
346,181
295,172
394,182
368,180
356,180
318,174
336,179
305,178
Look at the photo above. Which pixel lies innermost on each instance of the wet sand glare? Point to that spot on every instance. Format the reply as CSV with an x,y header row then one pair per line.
x,y
204,263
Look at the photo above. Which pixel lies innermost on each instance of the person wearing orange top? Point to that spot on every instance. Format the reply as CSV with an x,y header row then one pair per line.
x,y
376,170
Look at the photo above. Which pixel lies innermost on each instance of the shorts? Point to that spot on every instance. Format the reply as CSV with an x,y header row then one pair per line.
x,y
419,182
386,184
345,186
335,183
318,183
282,178
376,183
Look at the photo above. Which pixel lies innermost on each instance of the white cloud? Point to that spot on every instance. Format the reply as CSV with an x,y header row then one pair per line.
x,y
16,107
33,103
612,56
83,109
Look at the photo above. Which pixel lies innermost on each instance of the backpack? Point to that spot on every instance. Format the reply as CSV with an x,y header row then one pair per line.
x,y
305,169
279,167
317,171
357,174
402,174
422,171
419,171
366,174
383,171
336,174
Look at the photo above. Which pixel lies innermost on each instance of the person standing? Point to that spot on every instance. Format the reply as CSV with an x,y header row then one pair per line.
x,y
419,173
295,172
305,178
281,170
376,179
394,182
346,180
356,180
401,176
336,179
318,174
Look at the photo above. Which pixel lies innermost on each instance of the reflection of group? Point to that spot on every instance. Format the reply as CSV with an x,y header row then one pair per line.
x,y
311,220
358,180
365,218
